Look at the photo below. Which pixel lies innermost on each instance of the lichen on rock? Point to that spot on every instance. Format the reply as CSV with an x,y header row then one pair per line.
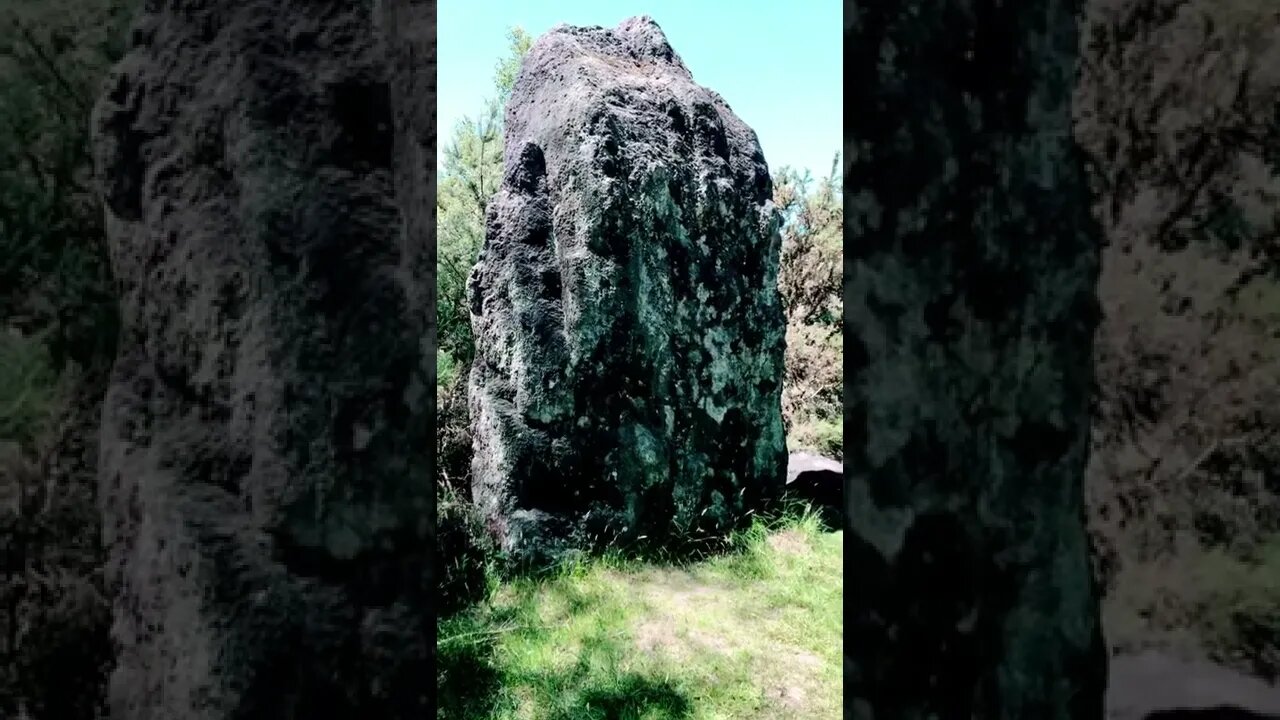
x,y
628,325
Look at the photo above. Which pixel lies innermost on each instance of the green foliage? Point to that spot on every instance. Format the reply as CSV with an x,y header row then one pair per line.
x,y
824,435
1213,600
810,275
453,431
446,369
505,72
57,311
811,282
27,389
471,174
54,274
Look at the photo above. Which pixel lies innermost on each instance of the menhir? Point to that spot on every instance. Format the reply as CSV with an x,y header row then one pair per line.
x,y
265,479
629,332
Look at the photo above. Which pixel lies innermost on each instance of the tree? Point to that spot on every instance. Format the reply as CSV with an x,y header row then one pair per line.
x,y
810,280
507,68
971,267
54,276
1183,475
812,245
56,292
471,174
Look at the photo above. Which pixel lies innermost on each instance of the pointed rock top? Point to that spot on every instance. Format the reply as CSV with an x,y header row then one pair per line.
x,y
639,39
645,38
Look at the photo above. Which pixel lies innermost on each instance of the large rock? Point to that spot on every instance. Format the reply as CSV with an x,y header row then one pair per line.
x,y
970,311
629,333
264,466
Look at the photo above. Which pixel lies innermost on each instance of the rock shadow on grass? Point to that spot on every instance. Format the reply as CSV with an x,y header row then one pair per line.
x,y
472,684
467,681
595,689
630,697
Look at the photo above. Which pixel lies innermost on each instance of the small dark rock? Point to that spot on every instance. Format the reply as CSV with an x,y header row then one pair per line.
x,y
817,480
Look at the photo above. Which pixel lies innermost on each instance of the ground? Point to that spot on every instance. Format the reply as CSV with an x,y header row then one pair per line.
x,y
751,634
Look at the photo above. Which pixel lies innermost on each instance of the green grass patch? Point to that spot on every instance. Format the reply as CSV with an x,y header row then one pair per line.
x,y
753,633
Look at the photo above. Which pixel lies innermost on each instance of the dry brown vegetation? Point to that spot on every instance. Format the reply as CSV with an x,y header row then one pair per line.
x,y
811,282
1179,110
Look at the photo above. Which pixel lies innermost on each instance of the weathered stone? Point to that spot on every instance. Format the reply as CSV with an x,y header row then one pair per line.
x,y
971,263
629,332
264,467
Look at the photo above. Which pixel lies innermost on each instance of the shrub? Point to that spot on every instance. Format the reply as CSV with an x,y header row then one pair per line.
x,y
812,389
810,280
1182,484
28,388
453,433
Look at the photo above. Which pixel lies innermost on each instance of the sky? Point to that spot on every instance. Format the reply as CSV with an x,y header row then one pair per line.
x,y
777,64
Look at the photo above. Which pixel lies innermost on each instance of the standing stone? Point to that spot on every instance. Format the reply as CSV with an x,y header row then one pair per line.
x,y
970,310
629,332
264,468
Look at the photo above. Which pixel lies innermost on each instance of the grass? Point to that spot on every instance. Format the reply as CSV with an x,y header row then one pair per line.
x,y
754,633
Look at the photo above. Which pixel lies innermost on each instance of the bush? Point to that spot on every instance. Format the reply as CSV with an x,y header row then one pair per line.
x,y
810,280
813,388
1241,608
1182,483
822,436
28,388
1222,604
453,433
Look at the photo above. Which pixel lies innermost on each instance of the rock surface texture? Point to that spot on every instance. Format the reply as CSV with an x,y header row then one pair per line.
x,y
970,311
629,332
264,467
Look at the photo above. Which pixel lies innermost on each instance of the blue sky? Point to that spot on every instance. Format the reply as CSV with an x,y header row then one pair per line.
x,y
778,64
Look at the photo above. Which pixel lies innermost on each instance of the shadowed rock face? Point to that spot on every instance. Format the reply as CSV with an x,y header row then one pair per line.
x,y
971,264
629,332
264,472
